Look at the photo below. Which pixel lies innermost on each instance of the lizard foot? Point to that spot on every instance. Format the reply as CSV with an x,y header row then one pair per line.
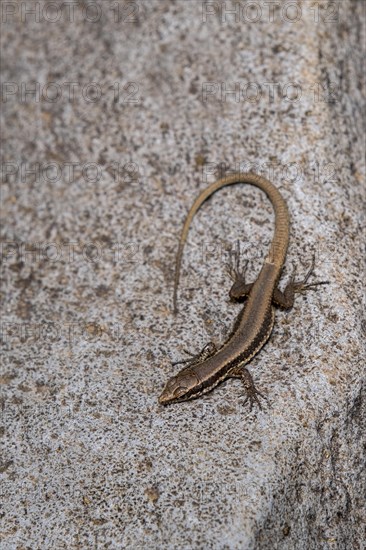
x,y
302,286
252,392
206,352
240,289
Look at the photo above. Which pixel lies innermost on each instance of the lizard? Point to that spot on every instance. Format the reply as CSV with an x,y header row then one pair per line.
x,y
255,321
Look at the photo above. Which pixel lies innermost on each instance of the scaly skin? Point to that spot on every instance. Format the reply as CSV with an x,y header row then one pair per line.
x,y
254,324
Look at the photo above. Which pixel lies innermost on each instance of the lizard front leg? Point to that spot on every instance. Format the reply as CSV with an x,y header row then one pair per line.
x,y
252,393
206,352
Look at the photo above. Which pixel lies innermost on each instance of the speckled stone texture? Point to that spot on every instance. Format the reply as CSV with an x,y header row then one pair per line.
x,y
114,116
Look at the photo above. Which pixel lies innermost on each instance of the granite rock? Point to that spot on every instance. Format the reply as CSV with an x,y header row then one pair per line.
x,y
115,115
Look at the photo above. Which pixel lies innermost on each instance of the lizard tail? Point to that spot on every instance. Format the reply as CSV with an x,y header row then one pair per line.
x,y
278,249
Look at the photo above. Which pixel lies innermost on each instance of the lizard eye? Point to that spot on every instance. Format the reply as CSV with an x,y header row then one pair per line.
x,y
179,391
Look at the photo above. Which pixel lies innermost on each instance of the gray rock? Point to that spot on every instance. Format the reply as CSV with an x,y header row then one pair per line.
x,y
133,94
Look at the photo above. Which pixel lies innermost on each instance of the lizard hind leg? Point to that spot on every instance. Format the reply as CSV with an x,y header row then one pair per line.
x,y
286,298
239,289
252,392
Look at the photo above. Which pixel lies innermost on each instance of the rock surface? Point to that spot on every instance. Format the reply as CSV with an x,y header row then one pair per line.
x,y
130,116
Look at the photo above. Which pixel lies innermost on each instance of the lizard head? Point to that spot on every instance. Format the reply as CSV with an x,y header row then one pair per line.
x,y
180,387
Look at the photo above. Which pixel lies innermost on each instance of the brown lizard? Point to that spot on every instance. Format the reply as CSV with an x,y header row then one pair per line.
x,y
254,323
